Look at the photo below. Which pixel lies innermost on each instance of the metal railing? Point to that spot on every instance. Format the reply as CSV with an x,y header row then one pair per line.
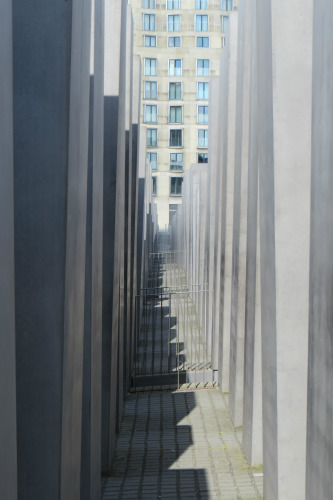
x,y
170,331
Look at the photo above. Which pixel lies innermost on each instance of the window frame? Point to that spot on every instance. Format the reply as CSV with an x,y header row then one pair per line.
x,y
151,129
169,113
200,2
149,36
203,68
198,114
151,16
203,98
178,179
149,159
144,89
196,16
201,46
149,2
172,8
173,23
176,162
145,112
181,91
182,137
173,46
144,66
205,130
181,67
229,4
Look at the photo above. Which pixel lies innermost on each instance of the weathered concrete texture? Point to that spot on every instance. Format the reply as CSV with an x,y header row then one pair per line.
x,y
8,453
212,212
319,478
238,286
284,164
50,186
91,402
252,409
228,159
114,192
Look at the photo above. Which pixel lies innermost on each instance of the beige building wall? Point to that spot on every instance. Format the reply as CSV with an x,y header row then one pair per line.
x,y
167,182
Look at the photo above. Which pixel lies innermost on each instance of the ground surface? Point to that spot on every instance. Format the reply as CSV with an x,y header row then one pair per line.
x,y
180,445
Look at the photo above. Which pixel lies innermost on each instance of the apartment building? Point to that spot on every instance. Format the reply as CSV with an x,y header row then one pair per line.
x,y
179,42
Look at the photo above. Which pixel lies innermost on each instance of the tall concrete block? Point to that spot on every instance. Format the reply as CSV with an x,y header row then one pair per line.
x,y
134,206
239,237
284,164
51,122
128,200
114,193
92,398
319,481
228,158
212,212
252,407
8,453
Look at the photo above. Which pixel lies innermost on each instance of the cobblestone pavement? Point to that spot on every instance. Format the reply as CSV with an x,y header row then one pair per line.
x,y
180,445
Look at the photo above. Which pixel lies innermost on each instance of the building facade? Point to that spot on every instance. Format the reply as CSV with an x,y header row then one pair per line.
x,y
179,42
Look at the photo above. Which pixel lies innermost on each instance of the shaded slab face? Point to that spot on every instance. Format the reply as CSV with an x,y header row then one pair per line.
x,y
8,453
319,480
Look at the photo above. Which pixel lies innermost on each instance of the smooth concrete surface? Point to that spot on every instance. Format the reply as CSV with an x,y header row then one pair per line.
x,y
113,30
41,141
284,87
75,251
252,407
228,152
319,478
212,211
8,439
92,398
239,238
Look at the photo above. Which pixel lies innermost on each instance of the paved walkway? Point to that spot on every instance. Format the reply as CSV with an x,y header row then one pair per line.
x,y
180,445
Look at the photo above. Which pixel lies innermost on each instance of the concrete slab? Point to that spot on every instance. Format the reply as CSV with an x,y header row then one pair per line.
x,y
8,439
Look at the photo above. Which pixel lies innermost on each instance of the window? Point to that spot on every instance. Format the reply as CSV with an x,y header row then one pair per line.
x,y
201,23
150,90
200,4
202,114
202,157
223,42
150,113
226,4
149,41
150,67
202,41
203,67
148,4
203,90
174,41
154,186
172,211
176,185
172,4
151,137
152,157
175,114
176,162
174,22
224,22
149,23
175,67
176,138
202,138
175,90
